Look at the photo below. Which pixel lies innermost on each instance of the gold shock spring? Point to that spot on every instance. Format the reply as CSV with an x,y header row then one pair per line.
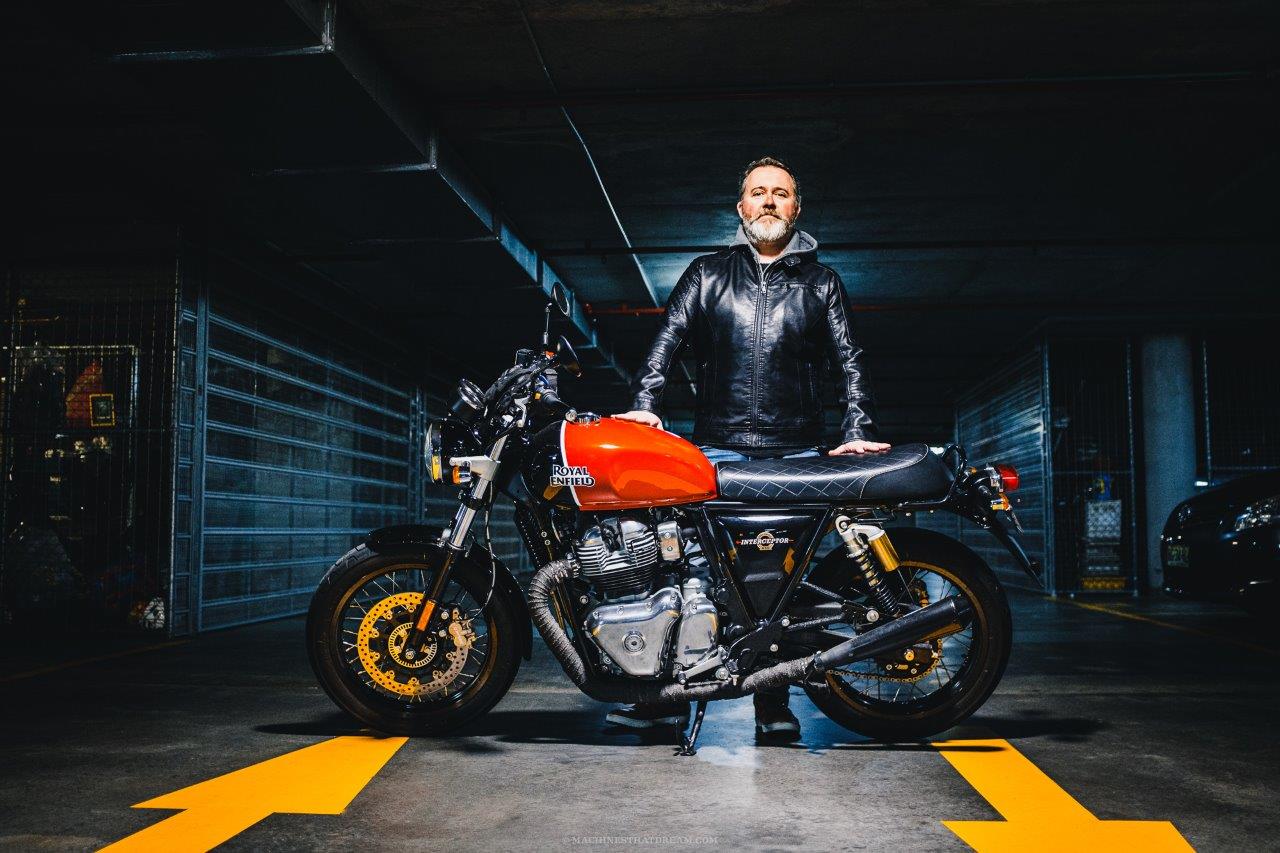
x,y
868,546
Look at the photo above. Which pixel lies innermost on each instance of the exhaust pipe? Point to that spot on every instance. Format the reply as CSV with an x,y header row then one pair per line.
x,y
936,620
928,623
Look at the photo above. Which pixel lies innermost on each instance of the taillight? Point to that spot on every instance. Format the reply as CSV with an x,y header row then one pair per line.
x,y
1008,476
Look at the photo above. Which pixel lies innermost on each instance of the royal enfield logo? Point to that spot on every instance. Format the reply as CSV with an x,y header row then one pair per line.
x,y
765,540
571,475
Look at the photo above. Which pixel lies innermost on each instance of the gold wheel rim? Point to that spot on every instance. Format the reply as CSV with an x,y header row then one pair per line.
x,y
843,691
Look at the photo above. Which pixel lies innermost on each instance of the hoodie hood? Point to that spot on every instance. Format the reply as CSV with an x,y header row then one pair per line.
x,y
800,243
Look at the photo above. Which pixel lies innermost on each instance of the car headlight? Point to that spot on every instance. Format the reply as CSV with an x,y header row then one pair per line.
x,y
1259,514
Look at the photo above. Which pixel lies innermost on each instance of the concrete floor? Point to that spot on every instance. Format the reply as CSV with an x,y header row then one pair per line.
x,y
1136,720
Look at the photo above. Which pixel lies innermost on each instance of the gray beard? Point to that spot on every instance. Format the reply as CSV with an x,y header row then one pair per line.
x,y
766,229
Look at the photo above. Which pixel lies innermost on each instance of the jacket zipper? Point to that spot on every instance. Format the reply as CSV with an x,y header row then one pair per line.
x,y
755,354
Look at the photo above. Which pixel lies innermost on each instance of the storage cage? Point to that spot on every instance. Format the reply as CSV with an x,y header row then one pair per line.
x,y
86,396
1238,398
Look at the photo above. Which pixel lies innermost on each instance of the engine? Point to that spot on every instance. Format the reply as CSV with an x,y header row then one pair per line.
x,y
619,556
641,631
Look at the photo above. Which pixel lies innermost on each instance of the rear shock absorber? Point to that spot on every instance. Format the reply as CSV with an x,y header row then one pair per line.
x,y
872,551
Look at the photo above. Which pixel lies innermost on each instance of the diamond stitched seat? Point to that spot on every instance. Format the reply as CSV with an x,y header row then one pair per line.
x,y
908,472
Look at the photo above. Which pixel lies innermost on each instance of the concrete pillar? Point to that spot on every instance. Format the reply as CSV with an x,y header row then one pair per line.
x,y
1168,436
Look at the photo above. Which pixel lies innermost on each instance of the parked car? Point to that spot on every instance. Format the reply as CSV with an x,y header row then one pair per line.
x,y
1224,544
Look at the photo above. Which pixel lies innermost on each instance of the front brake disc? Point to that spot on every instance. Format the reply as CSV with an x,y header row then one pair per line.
x,y
380,645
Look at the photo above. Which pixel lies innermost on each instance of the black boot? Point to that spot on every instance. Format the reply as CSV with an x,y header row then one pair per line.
x,y
647,716
774,721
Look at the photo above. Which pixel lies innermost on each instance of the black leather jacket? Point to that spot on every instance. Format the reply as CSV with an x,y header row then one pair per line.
x,y
762,344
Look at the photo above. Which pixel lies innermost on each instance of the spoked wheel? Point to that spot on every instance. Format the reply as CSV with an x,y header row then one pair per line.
x,y
926,688
357,630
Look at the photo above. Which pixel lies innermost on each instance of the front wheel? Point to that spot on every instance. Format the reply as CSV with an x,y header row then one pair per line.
x,y
929,687
356,629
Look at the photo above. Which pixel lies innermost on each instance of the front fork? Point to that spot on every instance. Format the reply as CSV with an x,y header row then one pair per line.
x,y
483,471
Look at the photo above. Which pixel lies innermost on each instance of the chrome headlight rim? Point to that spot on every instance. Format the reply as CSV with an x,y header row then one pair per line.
x,y
432,449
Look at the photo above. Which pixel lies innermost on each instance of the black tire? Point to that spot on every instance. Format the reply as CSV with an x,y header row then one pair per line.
x,y
971,686
375,708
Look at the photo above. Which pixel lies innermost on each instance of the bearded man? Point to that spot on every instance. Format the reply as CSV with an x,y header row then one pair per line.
x,y
765,321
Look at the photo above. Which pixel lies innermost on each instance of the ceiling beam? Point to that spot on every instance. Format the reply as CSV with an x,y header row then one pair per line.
x,y
336,38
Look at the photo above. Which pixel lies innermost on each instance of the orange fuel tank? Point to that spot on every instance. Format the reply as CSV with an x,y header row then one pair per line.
x,y
624,465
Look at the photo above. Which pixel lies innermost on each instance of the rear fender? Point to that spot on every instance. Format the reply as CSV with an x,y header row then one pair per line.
x,y
428,539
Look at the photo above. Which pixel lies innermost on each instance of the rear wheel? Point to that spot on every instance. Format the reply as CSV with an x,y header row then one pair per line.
x,y
357,626
930,687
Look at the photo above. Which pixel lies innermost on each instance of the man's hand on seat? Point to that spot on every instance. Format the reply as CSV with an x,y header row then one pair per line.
x,y
858,446
640,416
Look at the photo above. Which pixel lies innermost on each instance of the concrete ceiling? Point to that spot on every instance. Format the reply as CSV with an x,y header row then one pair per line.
x,y
974,168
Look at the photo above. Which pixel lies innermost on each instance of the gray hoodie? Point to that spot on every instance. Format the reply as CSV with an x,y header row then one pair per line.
x,y
800,242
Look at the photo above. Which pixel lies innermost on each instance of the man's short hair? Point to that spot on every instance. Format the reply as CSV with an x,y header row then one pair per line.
x,y
767,161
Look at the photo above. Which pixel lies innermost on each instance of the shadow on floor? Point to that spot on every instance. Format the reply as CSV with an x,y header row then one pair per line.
x,y
335,724
587,728
1029,724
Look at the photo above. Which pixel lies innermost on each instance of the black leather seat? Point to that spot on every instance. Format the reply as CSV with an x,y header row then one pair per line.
x,y
908,472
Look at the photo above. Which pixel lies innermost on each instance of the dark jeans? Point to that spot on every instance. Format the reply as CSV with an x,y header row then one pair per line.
x,y
724,454
776,695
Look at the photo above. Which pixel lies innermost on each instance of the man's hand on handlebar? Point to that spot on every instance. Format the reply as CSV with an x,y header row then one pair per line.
x,y
858,446
640,416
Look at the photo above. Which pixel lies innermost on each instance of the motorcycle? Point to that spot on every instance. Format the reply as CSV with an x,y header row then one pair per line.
x,y
661,577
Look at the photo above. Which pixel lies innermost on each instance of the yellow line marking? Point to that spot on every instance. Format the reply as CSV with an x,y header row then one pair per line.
x,y
57,667
319,779
1253,647
1038,814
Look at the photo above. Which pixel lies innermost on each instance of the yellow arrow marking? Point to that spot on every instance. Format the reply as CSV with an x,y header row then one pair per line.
x,y
319,779
1038,814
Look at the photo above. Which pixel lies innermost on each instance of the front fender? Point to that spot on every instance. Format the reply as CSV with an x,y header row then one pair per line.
x,y
429,539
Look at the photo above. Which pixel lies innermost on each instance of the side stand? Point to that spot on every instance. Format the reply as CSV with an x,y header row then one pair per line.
x,y
689,747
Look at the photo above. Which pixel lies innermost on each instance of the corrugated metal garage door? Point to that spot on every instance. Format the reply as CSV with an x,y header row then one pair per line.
x,y
299,449
1003,420
1065,407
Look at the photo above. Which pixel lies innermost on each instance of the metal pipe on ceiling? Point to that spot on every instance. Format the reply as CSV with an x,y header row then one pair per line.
x,y
1061,83
951,305
586,150
930,245
595,171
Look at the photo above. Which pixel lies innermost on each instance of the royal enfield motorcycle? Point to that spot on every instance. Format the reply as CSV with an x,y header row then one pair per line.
x,y
662,577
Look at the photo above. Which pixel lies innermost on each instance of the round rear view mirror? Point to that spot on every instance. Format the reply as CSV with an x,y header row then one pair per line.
x,y
560,296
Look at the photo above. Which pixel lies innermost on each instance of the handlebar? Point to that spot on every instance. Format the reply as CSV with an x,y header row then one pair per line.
x,y
551,401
